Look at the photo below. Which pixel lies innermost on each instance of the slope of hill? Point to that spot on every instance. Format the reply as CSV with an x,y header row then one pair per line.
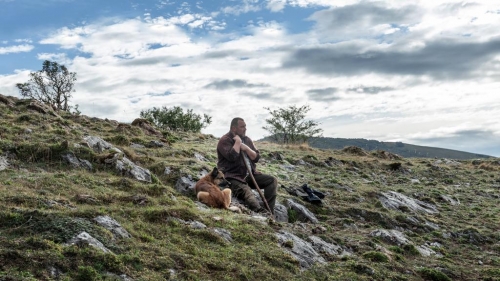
x,y
90,199
402,149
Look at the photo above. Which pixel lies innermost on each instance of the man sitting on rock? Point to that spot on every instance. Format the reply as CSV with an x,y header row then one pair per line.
x,y
233,149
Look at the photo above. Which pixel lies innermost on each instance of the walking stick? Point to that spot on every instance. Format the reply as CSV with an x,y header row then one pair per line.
x,y
249,169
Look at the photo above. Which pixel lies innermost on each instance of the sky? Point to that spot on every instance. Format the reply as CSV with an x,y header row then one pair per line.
x,y
420,72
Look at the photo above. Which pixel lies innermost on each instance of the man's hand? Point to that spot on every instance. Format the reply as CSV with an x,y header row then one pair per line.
x,y
237,139
244,147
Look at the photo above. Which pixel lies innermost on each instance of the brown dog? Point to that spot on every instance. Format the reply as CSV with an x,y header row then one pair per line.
x,y
208,192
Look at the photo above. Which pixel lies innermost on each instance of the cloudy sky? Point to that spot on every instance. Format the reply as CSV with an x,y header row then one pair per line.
x,y
421,72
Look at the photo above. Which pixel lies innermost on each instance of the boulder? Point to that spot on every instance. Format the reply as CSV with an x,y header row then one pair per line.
x,y
155,144
98,144
126,167
326,248
303,214
7,101
84,239
42,108
223,233
113,226
76,162
200,157
301,250
185,185
280,213
4,164
398,201
391,236
355,150
146,127
450,200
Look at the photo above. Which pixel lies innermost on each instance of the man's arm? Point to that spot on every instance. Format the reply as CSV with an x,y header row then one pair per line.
x,y
250,150
251,154
228,150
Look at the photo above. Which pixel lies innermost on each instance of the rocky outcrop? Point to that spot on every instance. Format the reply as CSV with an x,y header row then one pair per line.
x,y
303,214
7,101
76,162
127,168
84,239
146,127
99,145
122,164
395,237
4,164
42,108
397,201
185,185
301,250
110,224
327,249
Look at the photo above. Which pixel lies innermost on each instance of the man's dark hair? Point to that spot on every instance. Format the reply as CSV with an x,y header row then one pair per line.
x,y
234,122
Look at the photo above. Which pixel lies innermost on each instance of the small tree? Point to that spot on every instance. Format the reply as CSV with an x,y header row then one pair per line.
x,y
175,119
52,85
287,125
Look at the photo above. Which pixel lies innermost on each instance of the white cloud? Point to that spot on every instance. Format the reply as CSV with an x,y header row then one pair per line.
x,y
276,5
16,49
246,7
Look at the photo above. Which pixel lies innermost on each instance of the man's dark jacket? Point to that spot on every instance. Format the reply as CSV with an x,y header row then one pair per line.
x,y
230,161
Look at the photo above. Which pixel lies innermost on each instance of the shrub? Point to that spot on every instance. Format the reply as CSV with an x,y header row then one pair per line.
x,y
176,119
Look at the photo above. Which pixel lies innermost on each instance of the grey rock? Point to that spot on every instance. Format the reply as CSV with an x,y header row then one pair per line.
x,y
223,233
303,163
122,277
54,272
301,250
326,248
288,167
28,131
98,144
4,164
450,200
436,244
280,213
303,213
185,185
201,206
85,239
432,225
391,236
197,225
446,162
126,167
137,146
425,251
200,157
76,162
202,173
113,226
394,200
155,143
167,171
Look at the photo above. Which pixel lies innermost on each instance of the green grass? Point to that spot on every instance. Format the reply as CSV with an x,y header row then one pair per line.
x,y
45,202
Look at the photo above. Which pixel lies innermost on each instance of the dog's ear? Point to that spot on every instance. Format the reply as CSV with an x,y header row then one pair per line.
x,y
215,171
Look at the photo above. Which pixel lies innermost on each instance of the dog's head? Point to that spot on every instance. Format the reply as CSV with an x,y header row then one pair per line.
x,y
218,178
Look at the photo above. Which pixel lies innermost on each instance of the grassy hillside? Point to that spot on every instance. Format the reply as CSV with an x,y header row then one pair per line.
x,y
45,202
402,149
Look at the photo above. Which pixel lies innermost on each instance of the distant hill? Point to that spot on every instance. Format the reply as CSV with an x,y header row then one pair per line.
x,y
400,148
